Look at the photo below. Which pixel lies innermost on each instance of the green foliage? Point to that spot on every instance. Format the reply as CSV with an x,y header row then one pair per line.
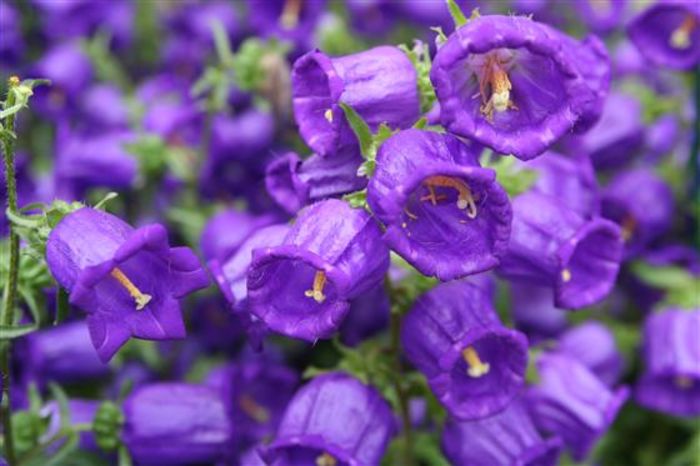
x,y
425,447
419,55
107,426
513,178
335,38
107,66
247,63
456,13
369,143
680,286
357,200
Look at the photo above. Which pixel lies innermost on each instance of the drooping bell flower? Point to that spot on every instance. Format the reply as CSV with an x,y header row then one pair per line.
x,y
642,204
593,344
224,232
474,365
601,16
571,402
294,183
80,411
517,85
368,315
287,20
671,381
571,179
534,312
127,280
62,354
380,84
334,420
667,33
176,424
551,245
256,393
303,287
504,439
443,213
617,137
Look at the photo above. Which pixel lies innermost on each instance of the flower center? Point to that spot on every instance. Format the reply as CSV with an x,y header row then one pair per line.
x,y
326,459
290,14
680,37
477,367
253,409
465,199
566,275
317,291
141,299
495,77
628,225
683,381
328,114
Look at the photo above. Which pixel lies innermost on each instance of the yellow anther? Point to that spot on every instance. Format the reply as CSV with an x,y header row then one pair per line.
x,y
329,115
253,409
141,299
290,13
317,291
326,459
627,227
410,214
496,78
566,275
683,381
13,81
465,199
477,367
680,37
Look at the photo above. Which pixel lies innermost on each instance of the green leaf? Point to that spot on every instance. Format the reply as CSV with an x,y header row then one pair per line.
x,y
124,457
419,55
247,62
61,398
456,13
12,332
667,277
37,311
515,179
62,305
70,446
360,128
221,43
357,200
108,197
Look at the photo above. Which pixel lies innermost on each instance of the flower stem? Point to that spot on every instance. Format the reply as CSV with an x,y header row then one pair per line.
x,y
693,162
401,393
10,292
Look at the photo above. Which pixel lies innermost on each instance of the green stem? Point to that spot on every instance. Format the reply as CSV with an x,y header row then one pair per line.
x,y
401,393
693,162
10,292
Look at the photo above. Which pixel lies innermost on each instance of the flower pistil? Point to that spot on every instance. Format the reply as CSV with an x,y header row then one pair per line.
x,y
141,299
680,38
465,199
317,291
496,77
477,367
326,459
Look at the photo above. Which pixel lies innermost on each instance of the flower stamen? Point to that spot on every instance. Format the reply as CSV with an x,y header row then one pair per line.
x,y
253,409
465,199
477,367
629,224
680,37
496,78
566,275
317,291
141,299
328,115
290,14
326,459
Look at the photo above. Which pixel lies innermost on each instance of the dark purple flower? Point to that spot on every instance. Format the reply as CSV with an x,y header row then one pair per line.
x,y
443,213
534,312
594,346
224,233
508,438
662,136
380,84
294,183
256,393
668,33
642,204
572,403
333,420
601,16
104,107
242,137
570,179
176,423
671,382
127,280
288,20
80,412
551,245
517,85
332,254
62,354
474,365
368,315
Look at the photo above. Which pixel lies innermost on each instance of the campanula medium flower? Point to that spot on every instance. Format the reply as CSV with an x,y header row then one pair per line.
x,y
224,232
333,420
127,280
443,213
534,312
380,84
671,381
517,85
294,183
176,423
331,255
642,204
504,439
571,402
80,411
474,365
593,344
667,33
551,245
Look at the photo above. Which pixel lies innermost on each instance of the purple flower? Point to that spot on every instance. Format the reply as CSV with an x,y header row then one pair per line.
x,y
594,346
62,354
127,280
251,457
294,183
380,84
176,423
224,233
534,312
668,34
517,85
242,137
551,245
572,403
256,392
333,420
505,439
642,204
443,213
104,107
368,315
662,136
372,17
601,16
288,20
474,365
332,254
671,382
12,45
80,412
